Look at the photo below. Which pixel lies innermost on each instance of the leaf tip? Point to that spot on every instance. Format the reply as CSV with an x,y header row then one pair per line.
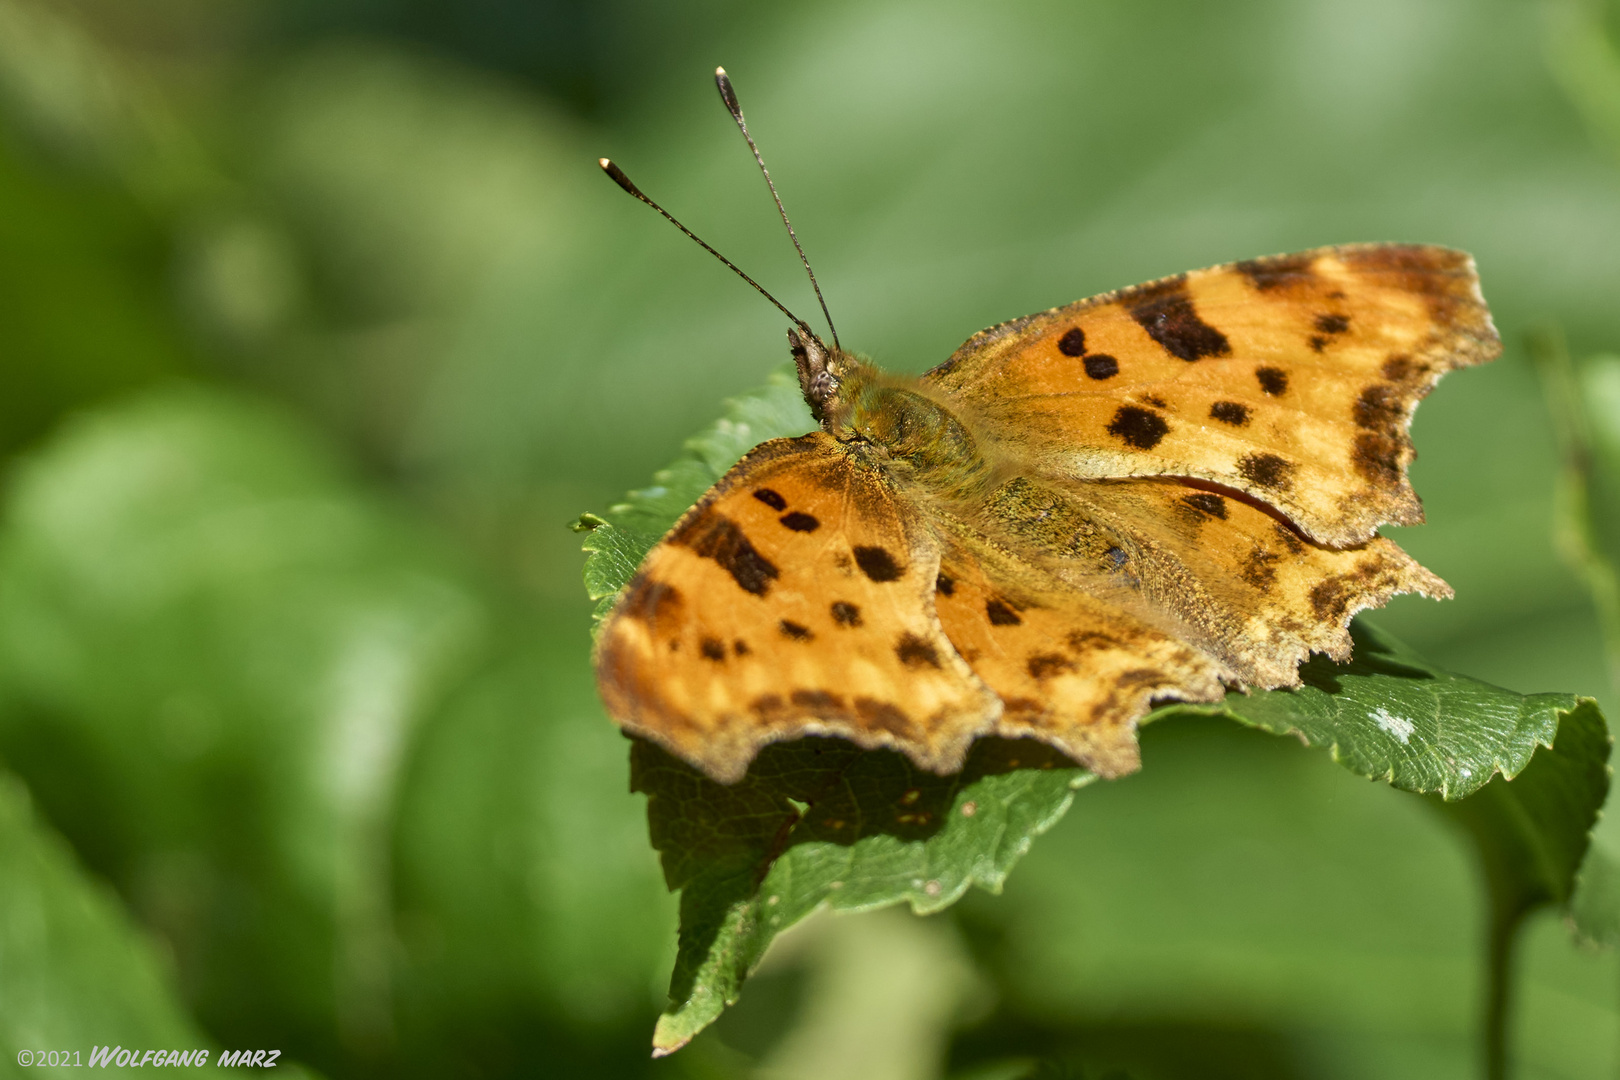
x,y
666,1040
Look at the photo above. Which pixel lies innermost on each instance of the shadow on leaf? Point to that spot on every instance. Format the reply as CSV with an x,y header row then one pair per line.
x,y
820,820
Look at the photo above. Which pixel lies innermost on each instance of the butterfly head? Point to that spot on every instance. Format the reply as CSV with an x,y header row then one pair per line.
x,y
829,377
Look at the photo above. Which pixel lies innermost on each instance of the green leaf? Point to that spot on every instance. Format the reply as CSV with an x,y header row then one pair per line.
x,y
1532,831
818,822
617,542
1389,715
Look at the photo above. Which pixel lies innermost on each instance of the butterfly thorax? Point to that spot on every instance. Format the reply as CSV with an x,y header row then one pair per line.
x,y
914,437
922,440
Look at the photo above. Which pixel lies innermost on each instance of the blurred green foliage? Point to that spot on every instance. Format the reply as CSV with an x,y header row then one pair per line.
x,y
318,327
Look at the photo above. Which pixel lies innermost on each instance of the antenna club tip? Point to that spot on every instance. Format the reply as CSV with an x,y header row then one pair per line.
x,y
616,174
728,94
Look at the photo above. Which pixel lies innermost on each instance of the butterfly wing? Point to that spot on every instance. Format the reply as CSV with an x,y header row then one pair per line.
x,y
1291,378
1071,669
1081,604
795,598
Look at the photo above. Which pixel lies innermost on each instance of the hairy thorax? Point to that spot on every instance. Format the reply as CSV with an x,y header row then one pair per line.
x,y
920,442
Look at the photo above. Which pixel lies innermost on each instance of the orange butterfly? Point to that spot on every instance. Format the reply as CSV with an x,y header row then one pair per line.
x,y
1154,494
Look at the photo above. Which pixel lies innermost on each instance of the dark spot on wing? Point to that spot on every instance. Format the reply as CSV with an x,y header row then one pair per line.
x,y
1140,677
1413,268
1293,543
1260,568
1207,502
770,498
913,651
1397,368
1229,412
1276,271
767,705
793,630
944,584
1073,343
1377,457
719,538
1331,599
1317,343
800,522
1166,312
1116,558
1379,408
1046,665
740,647
1333,324
713,649
1082,641
650,600
1266,470
845,614
883,716
1101,366
817,699
1002,614
1273,381
877,564
1138,427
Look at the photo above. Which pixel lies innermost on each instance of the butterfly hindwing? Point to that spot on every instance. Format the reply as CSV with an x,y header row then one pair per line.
x,y
1072,670
795,598
1291,379
1082,604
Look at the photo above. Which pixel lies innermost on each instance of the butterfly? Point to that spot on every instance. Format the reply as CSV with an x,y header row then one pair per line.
x,y
1156,494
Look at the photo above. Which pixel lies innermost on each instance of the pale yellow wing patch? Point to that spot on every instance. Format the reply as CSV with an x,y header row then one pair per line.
x,y
793,599
1292,379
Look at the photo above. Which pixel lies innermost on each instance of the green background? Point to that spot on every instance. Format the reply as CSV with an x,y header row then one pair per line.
x,y
318,325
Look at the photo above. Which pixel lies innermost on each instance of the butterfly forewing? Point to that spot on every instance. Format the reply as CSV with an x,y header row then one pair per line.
x,y
1291,379
794,598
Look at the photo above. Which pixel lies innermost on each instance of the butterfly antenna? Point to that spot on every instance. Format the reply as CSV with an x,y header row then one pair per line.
x,y
624,181
729,96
